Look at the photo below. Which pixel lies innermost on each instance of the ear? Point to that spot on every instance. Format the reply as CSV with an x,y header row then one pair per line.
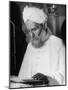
x,y
24,29
26,32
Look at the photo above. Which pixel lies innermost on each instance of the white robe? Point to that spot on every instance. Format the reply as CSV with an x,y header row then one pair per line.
x,y
48,60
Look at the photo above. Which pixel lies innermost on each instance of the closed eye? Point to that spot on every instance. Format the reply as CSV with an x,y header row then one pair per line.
x,y
34,29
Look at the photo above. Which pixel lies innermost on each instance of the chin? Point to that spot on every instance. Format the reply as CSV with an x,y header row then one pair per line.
x,y
37,44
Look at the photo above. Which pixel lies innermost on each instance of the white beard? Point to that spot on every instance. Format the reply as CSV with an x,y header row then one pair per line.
x,y
36,45
38,42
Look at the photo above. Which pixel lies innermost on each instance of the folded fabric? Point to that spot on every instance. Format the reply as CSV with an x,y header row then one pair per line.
x,y
34,14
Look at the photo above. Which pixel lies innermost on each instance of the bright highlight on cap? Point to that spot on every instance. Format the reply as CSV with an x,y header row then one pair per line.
x,y
34,14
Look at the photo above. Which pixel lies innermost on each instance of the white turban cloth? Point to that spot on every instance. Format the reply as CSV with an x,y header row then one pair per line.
x,y
34,14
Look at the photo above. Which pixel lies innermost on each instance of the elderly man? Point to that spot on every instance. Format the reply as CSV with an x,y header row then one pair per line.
x,y
45,54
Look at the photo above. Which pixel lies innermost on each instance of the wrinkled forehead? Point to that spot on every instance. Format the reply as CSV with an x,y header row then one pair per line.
x,y
34,26
31,25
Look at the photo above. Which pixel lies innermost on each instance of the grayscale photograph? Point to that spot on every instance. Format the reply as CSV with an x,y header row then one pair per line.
x,y
37,44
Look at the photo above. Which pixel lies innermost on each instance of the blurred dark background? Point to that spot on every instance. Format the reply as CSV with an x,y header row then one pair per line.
x,y
56,22
17,39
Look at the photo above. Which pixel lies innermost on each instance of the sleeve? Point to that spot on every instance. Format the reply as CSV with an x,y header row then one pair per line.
x,y
60,74
25,70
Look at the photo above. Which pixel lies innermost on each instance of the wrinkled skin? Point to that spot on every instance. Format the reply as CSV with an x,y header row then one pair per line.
x,y
37,33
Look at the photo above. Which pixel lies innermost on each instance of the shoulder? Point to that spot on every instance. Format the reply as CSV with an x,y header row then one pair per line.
x,y
55,38
56,41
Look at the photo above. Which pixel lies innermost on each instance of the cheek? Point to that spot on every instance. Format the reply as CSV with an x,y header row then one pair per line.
x,y
28,38
30,34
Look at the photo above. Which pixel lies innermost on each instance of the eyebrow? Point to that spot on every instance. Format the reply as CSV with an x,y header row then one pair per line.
x,y
37,26
34,29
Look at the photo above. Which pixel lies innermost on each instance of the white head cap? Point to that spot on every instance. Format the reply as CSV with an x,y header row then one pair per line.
x,y
34,14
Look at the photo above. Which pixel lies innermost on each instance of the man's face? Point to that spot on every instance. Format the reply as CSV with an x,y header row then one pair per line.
x,y
35,33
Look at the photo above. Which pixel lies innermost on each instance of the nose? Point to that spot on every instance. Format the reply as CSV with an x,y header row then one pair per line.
x,y
36,33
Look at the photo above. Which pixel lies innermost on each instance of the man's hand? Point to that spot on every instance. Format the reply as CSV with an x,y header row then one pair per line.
x,y
46,79
41,77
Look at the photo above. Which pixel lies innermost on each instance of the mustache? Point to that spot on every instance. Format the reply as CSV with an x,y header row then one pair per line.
x,y
35,37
